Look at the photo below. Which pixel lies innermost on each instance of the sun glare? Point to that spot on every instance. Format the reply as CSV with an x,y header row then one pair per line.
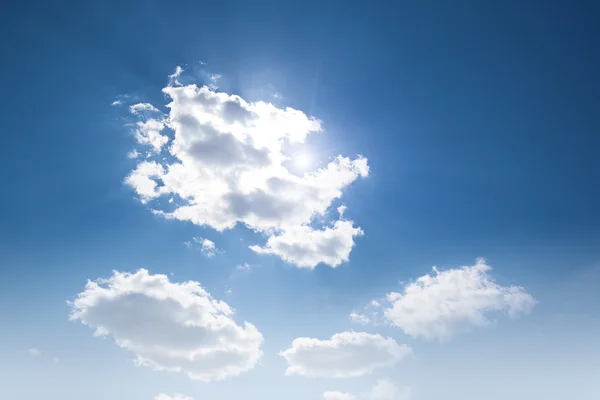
x,y
302,160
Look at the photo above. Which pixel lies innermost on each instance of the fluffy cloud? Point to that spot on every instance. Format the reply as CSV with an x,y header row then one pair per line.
x,y
169,326
383,390
443,303
228,165
307,247
207,246
345,355
174,396
141,108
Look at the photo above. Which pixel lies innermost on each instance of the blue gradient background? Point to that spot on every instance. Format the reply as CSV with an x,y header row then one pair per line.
x,y
481,124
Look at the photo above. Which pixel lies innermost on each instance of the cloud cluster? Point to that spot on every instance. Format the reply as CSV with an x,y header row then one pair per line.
x,y
439,305
383,390
227,164
169,326
345,355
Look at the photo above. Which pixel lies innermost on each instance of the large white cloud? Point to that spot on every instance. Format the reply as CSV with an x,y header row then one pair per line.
x,y
345,355
228,164
169,326
444,303
384,389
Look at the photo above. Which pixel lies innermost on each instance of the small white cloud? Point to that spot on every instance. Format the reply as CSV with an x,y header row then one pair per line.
x,y
345,355
444,303
176,327
34,352
307,247
133,154
177,73
149,133
383,390
173,78
174,396
243,267
207,246
341,209
139,108
359,318
369,315
142,179
214,79
116,103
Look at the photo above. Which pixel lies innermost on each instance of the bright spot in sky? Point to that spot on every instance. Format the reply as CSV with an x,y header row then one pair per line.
x,y
302,160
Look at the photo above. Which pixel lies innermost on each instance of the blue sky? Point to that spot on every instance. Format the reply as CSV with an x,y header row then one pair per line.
x,y
467,130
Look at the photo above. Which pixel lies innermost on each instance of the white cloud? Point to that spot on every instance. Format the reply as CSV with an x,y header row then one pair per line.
x,y
173,78
383,390
177,73
169,326
214,79
133,154
444,303
142,179
207,246
345,355
341,209
34,352
148,133
228,167
116,103
139,108
243,267
359,318
174,396
307,247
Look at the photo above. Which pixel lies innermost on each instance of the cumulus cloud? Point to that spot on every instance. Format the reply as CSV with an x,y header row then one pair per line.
x,y
116,103
383,390
439,305
34,352
307,247
227,165
169,326
174,396
345,355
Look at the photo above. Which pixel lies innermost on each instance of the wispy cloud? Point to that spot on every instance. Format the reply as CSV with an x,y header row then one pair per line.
x,y
34,352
